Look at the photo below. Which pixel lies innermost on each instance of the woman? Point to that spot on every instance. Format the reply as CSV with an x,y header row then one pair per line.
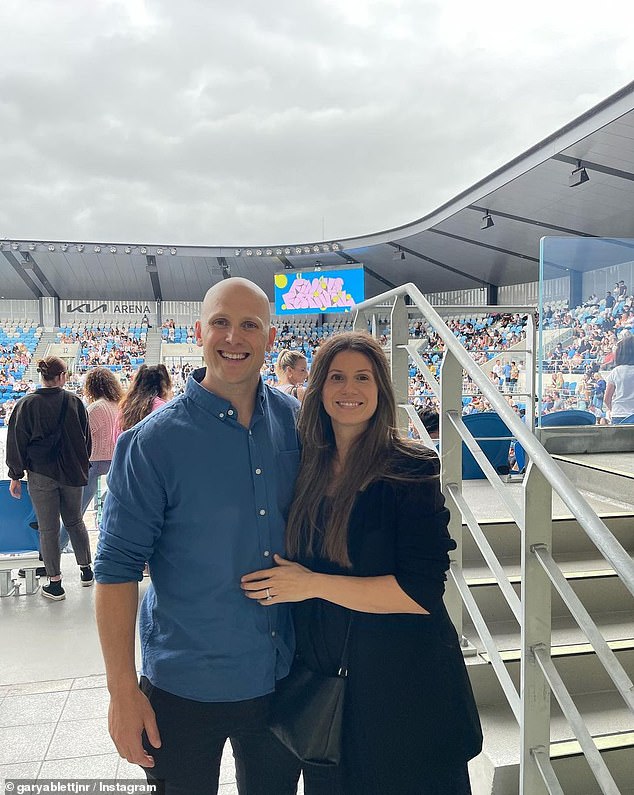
x,y
103,393
151,388
367,532
619,390
49,437
292,371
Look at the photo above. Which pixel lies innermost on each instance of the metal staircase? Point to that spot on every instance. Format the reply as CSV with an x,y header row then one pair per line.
x,y
541,583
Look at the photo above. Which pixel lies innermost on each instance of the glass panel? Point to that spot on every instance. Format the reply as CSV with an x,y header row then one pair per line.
x,y
586,333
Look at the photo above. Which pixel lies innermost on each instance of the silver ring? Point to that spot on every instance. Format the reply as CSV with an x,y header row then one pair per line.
x,y
268,594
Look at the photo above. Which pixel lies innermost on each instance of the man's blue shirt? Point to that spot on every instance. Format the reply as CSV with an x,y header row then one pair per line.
x,y
204,500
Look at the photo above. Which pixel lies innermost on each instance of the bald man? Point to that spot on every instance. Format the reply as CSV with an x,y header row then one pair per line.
x,y
200,489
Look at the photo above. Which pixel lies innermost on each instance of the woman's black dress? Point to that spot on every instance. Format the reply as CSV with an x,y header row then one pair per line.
x,y
410,716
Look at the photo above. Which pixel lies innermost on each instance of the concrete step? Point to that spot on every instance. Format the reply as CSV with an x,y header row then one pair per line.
x,y
496,770
569,540
578,665
608,474
600,591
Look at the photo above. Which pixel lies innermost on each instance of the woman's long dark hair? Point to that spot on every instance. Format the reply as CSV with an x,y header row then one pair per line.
x,y
148,384
624,351
372,455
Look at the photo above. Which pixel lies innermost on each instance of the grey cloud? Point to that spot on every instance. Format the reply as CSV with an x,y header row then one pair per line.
x,y
249,122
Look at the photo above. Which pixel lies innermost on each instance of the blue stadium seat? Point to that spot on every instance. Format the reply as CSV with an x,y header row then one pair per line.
x,y
482,425
15,534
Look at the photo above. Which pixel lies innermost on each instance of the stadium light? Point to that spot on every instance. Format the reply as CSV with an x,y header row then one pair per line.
x,y
31,246
172,251
487,221
237,252
113,249
578,177
80,247
127,250
64,246
51,247
15,246
97,249
143,250
398,254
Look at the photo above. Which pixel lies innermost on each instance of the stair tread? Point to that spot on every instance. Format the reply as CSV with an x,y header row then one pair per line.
x,y
605,714
565,631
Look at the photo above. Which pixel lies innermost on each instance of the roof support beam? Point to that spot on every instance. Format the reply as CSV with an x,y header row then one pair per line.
x,y
589,166
31,264
152,269
224,267
369,271
533,222
438,264
19,269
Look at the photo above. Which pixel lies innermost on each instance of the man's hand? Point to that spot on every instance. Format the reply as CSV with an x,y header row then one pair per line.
x,y
15,489
129,714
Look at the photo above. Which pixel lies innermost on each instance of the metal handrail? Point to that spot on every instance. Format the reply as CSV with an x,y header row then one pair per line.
x,y
596,530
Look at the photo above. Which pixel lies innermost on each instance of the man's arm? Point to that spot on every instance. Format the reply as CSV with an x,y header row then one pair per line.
x,y
130,711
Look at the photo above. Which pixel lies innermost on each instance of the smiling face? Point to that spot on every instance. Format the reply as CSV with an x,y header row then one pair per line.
x,y
350,393
235,333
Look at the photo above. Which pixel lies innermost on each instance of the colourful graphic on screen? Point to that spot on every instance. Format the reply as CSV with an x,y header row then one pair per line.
x,y
311,292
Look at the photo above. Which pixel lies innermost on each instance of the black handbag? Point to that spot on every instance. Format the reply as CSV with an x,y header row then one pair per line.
x,y
307,711
46,450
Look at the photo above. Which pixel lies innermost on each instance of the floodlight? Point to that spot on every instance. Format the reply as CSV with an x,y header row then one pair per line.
x,y
487,221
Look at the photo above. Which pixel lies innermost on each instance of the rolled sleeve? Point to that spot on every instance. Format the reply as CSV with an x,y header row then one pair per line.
x,y
133,513
422,539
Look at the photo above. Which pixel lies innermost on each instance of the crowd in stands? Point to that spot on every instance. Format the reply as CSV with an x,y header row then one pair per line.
x,y
117,346
574,366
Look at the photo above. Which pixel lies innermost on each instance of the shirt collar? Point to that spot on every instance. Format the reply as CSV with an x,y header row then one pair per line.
x,y
219,407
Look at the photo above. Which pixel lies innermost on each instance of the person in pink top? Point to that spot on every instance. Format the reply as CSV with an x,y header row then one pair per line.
x,y
151,388
103,393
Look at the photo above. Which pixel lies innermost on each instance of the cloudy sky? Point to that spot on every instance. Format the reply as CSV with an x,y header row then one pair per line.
x,y
249,122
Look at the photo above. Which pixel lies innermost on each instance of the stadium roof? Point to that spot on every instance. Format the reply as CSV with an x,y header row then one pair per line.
x,y
446,250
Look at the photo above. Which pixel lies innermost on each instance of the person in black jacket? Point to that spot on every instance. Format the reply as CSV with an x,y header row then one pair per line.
x,y
367,536
49,438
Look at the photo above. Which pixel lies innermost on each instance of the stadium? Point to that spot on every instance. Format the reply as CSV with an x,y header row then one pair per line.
x,y
503,305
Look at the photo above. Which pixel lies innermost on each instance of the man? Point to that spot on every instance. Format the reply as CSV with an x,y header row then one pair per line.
x,y
200,490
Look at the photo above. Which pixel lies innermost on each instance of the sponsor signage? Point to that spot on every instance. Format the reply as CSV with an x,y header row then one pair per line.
x,y
108,310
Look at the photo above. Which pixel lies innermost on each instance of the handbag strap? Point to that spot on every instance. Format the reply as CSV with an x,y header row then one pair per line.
x,y
343,668
62,414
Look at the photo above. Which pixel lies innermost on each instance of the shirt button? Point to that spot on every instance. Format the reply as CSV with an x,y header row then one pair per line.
x,y
273,633
230,412
221,416
266,553
258,471
262,512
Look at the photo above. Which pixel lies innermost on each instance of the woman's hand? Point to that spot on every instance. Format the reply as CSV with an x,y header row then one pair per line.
x,y
287,582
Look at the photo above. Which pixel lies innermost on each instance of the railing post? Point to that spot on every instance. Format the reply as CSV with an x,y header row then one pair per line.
x,y
535,629
451,472
399,360
360,321
530,369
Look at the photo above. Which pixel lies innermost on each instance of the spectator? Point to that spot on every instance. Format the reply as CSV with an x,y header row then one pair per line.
x,y
619,391
49,437
150,389
292,371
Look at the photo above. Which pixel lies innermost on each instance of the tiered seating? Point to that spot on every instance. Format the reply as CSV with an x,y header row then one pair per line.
x,y
117,346
18,341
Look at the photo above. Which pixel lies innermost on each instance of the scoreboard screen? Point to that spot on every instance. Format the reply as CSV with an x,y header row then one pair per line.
x,y
314,292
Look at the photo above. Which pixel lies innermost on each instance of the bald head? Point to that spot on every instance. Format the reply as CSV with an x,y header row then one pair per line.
x,y
234,289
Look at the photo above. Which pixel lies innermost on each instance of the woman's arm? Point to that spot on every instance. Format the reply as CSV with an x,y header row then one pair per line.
x,y
609,394
290,582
